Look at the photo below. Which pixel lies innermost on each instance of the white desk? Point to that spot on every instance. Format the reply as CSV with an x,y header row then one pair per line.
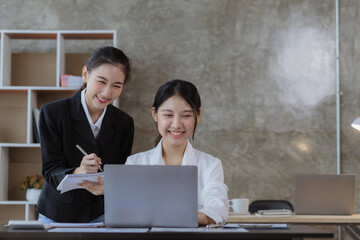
x,y
349,222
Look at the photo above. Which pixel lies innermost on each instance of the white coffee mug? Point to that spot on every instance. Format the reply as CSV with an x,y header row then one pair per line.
x,y
239,205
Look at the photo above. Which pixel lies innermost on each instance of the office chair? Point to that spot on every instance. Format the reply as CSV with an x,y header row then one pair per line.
x,y
269,204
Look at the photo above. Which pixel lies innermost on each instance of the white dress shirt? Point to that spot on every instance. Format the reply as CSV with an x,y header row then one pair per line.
x,y
95,127
212,192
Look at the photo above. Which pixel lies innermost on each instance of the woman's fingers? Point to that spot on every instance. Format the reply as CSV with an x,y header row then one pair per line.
x,y
96,188
90,163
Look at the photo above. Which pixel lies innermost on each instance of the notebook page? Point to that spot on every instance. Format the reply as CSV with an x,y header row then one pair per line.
x,y
70,181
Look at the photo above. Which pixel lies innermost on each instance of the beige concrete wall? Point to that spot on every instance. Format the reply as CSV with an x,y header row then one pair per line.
x,y
265,70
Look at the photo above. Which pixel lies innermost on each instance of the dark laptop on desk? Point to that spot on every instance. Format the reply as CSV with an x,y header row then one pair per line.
x,y
324,194
150,196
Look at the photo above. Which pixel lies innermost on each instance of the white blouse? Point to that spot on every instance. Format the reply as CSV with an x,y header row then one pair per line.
x,y
95,127
212,192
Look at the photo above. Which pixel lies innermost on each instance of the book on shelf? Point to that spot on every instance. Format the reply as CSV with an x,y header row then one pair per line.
x,y
67,80
36,130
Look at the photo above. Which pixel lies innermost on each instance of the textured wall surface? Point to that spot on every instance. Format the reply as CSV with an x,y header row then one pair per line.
x,y
265,70
350,88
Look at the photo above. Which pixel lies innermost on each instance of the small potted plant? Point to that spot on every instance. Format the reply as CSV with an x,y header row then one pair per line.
x,y
32,184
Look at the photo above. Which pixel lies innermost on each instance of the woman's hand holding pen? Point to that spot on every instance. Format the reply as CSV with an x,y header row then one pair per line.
x,y
89,164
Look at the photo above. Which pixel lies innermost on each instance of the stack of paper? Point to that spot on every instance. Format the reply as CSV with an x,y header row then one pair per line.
x,y
98,229
198,230
76,225
256,225
274,213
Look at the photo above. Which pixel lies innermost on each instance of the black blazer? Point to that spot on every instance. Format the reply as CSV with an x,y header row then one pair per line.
x,y
63,124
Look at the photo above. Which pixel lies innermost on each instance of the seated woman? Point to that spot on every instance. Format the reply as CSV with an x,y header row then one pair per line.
x,y
177,111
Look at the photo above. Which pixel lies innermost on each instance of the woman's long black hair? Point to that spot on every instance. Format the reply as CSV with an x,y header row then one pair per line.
x,y
110,55
185,90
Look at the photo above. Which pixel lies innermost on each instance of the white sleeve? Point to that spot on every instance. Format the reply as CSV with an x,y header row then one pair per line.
x,y
129,160
214,196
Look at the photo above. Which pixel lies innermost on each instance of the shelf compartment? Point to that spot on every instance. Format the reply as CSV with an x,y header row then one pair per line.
x,y
18,163
11,212
15,210
29,59
33,69
32,35
43,96
13,116
75,48
74,62
39,98
89,35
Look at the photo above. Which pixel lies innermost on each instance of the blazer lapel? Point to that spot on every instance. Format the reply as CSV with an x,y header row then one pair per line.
x,y
108,126
80,122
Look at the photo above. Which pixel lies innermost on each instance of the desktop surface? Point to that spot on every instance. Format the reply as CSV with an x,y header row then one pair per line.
x,y
297,219
294,231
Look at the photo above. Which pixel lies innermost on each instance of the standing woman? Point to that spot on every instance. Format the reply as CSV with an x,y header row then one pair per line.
x,y
91,121
177,111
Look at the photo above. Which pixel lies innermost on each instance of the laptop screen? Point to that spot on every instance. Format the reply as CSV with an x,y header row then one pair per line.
x,y
150,196
326,194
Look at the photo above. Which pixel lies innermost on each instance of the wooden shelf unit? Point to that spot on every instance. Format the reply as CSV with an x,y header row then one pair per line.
x,y
28,80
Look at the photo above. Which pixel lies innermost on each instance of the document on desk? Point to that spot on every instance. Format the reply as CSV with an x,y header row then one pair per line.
x,y
256,225
76,225
70,181
274,213
109,230
198,230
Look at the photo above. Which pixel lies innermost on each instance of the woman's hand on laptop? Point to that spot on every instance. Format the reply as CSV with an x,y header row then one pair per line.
x,y
96,188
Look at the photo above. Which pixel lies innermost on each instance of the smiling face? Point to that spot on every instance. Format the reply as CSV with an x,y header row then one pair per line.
x,y
176,121
104,85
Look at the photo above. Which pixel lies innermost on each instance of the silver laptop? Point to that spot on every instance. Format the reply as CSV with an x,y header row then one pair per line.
x,y
150,196
324,194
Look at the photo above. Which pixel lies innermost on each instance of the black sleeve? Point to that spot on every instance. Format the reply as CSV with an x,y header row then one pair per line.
x,y
54,166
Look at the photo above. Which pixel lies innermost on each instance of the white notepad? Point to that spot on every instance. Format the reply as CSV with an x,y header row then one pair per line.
x,y
274,213
70,181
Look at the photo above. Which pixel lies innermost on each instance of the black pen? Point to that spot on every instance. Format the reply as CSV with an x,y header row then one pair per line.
x,y
83,152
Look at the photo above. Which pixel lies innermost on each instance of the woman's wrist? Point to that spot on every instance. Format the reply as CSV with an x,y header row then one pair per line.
x,y
204,219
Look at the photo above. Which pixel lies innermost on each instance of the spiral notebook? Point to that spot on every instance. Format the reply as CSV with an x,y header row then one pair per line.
x,y
70,181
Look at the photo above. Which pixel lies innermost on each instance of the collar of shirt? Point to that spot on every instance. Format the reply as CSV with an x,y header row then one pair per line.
x,y
95,127
189,157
